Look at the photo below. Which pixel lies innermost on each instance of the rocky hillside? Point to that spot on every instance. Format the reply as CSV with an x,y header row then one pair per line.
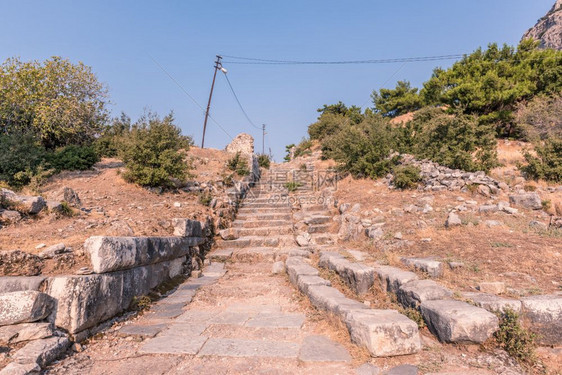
x,y
548,29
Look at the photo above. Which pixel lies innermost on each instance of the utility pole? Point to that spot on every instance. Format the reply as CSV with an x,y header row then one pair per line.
x,y
218,66
263,139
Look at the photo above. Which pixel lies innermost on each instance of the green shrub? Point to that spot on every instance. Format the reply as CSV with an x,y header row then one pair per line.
x,y
514,339
547,164
72,158
292,186
20,157
152,154
406,177
364,150
264,161
205,198
238,164
453,139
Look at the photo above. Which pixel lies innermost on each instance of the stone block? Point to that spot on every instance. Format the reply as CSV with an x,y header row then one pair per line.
x,y
432,267
304,282
544,314
24,307
494,287
326,298
20,283
458,322
43,351
415,292
393,278
187,228
492,302
249,348
383,332
13,334
296,267
109,254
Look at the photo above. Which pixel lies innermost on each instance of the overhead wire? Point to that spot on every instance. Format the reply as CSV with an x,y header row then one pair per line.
x,y
188,95
259,61
240,104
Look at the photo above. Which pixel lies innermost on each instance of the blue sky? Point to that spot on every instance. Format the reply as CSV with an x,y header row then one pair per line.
x,y
117,38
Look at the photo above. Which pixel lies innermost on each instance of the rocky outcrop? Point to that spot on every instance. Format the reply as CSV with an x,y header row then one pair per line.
x,y
436,177
548,29
242,143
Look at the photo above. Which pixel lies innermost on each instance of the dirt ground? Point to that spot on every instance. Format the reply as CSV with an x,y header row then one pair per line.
x,y
112,206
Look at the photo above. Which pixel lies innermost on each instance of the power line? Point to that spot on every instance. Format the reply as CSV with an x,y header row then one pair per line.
x,y
258,61
239,104
188,95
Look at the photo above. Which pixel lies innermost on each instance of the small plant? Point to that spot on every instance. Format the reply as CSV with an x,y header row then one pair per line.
x,y
302,167
238,164
406,177
205,198
529,188
228,180
415,315
264,161
514,339
546,204
292,186
141,303
66,210
501,244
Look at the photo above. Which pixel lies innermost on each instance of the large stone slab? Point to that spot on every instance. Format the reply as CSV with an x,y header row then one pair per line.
x,y
492,302
13,334
276,320
187,228
432,267
109,254
43,351
142,330
544,313
83,301
20,283
319,348
527,200
383,332
393,278
358,277
249,348
458,322
166,344
24,307
415,292
296,267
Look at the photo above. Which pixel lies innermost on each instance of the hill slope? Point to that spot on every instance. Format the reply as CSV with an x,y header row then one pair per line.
x,y
548,29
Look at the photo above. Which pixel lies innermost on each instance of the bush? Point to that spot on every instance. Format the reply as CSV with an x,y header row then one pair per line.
x,y
364,150
406,177
111,139
453,139
238,164
264,161
152,154
292,186
514,339
73,157
20,157
540,118
547,164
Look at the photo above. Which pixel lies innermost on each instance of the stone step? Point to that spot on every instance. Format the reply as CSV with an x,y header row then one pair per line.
x,y
259,241
317,219
359,277
314,208
265,216
265,231
260,223
267,254
265,210
323,239
317,228
272,205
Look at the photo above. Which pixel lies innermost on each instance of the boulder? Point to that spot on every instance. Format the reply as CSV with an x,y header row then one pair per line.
x,y
109,254
26,204
544,314
10,216
51,251
458,322
494,287
229,234
383,332
242,143
15,368
453,220
24,307
527,200
374,232
71,197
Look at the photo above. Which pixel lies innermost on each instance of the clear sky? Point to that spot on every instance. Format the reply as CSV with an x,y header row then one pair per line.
x,y
117,38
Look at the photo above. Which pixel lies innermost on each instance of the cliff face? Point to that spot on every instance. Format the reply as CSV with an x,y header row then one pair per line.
x,y
548,29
